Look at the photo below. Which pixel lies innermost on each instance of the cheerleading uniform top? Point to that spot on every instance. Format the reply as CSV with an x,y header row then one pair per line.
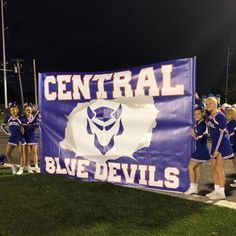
x,y
14,126
220,142
231,132
30,125
201,153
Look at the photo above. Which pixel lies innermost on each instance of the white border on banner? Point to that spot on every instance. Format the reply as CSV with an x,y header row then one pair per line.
x,y
194,197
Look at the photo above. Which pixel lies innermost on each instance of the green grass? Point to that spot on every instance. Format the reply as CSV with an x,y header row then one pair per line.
x,y
50,205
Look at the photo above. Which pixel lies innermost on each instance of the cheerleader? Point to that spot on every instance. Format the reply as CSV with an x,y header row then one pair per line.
x,y
220,150
30,124
224,108
231,127
201,154
16,137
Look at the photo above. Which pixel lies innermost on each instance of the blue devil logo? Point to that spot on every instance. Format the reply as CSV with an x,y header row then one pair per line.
x,y
104,124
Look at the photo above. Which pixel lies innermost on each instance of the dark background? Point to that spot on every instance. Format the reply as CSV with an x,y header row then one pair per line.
x,y
100,35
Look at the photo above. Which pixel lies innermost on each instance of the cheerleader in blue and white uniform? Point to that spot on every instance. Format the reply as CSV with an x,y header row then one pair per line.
x,y
201,154
231,132
221,148
16,138
30,124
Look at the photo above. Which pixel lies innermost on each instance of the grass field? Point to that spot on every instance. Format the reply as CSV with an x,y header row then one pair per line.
x,y
50,205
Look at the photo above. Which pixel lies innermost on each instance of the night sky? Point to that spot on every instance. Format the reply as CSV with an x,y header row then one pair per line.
x,y
101,35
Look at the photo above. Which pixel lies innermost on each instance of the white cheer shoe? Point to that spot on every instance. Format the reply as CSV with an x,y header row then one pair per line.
x,y
217,196
190,191
20,171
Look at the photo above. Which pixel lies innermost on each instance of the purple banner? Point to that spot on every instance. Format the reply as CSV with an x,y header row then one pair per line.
x,y
129,127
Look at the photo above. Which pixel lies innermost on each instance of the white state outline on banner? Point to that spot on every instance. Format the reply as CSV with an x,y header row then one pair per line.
x,y
139,117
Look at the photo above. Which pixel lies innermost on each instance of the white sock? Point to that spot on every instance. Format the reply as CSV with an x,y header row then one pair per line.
x,y
221,190
217,187
21,168
192,185
196,186
36,166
